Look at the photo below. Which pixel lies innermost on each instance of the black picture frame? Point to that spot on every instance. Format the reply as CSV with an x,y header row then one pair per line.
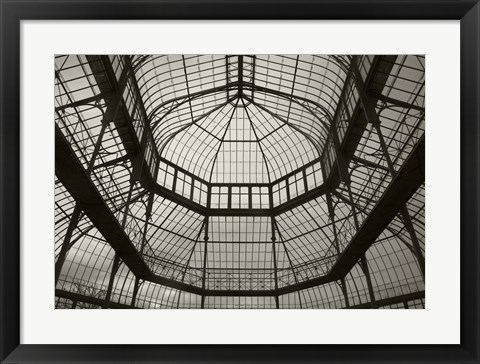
x,y
12,12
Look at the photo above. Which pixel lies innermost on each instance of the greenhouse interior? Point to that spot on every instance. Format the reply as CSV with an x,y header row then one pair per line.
x,y
239,182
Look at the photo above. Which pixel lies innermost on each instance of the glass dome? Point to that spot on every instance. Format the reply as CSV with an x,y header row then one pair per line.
x,y
239,181
239,119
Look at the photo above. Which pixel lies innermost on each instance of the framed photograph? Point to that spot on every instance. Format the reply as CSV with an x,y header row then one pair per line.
x,y
238,181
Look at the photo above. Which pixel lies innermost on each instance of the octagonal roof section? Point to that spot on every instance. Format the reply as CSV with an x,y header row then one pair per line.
x,y
240,119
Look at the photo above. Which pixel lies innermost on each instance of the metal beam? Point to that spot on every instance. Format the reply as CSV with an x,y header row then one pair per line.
x,y
274,253
115,305
205,256
395,102
368,163
84,102
77,297
300,200
115,161
392,300
240,76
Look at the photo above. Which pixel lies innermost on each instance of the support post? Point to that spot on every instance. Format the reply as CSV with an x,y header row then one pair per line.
x,y
240,76
108,296
75,217
205,254
275,269
343,285
366,272
148,214
205,239
135,292
407,221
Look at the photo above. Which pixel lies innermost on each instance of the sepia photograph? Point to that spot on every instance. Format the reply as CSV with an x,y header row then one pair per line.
x,y
220,181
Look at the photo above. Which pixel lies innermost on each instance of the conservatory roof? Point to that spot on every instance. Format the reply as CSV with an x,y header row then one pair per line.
x,y
222,171
240,119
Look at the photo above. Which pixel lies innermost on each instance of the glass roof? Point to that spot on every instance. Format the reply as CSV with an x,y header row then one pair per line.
x,y
239,181
240,119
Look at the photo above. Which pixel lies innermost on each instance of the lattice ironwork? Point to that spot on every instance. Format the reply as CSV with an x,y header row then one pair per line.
x,y
239,181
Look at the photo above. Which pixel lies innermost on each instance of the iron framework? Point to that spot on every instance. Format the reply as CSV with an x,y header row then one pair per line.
x,y
239,181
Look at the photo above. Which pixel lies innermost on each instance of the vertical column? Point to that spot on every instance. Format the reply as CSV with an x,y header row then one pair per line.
x,y
250,199
304,176
240,76
108,296
407,221
205,255
229,200
74,219
343,286
138,283
366,272
148,216
274,252
174,184
205,239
